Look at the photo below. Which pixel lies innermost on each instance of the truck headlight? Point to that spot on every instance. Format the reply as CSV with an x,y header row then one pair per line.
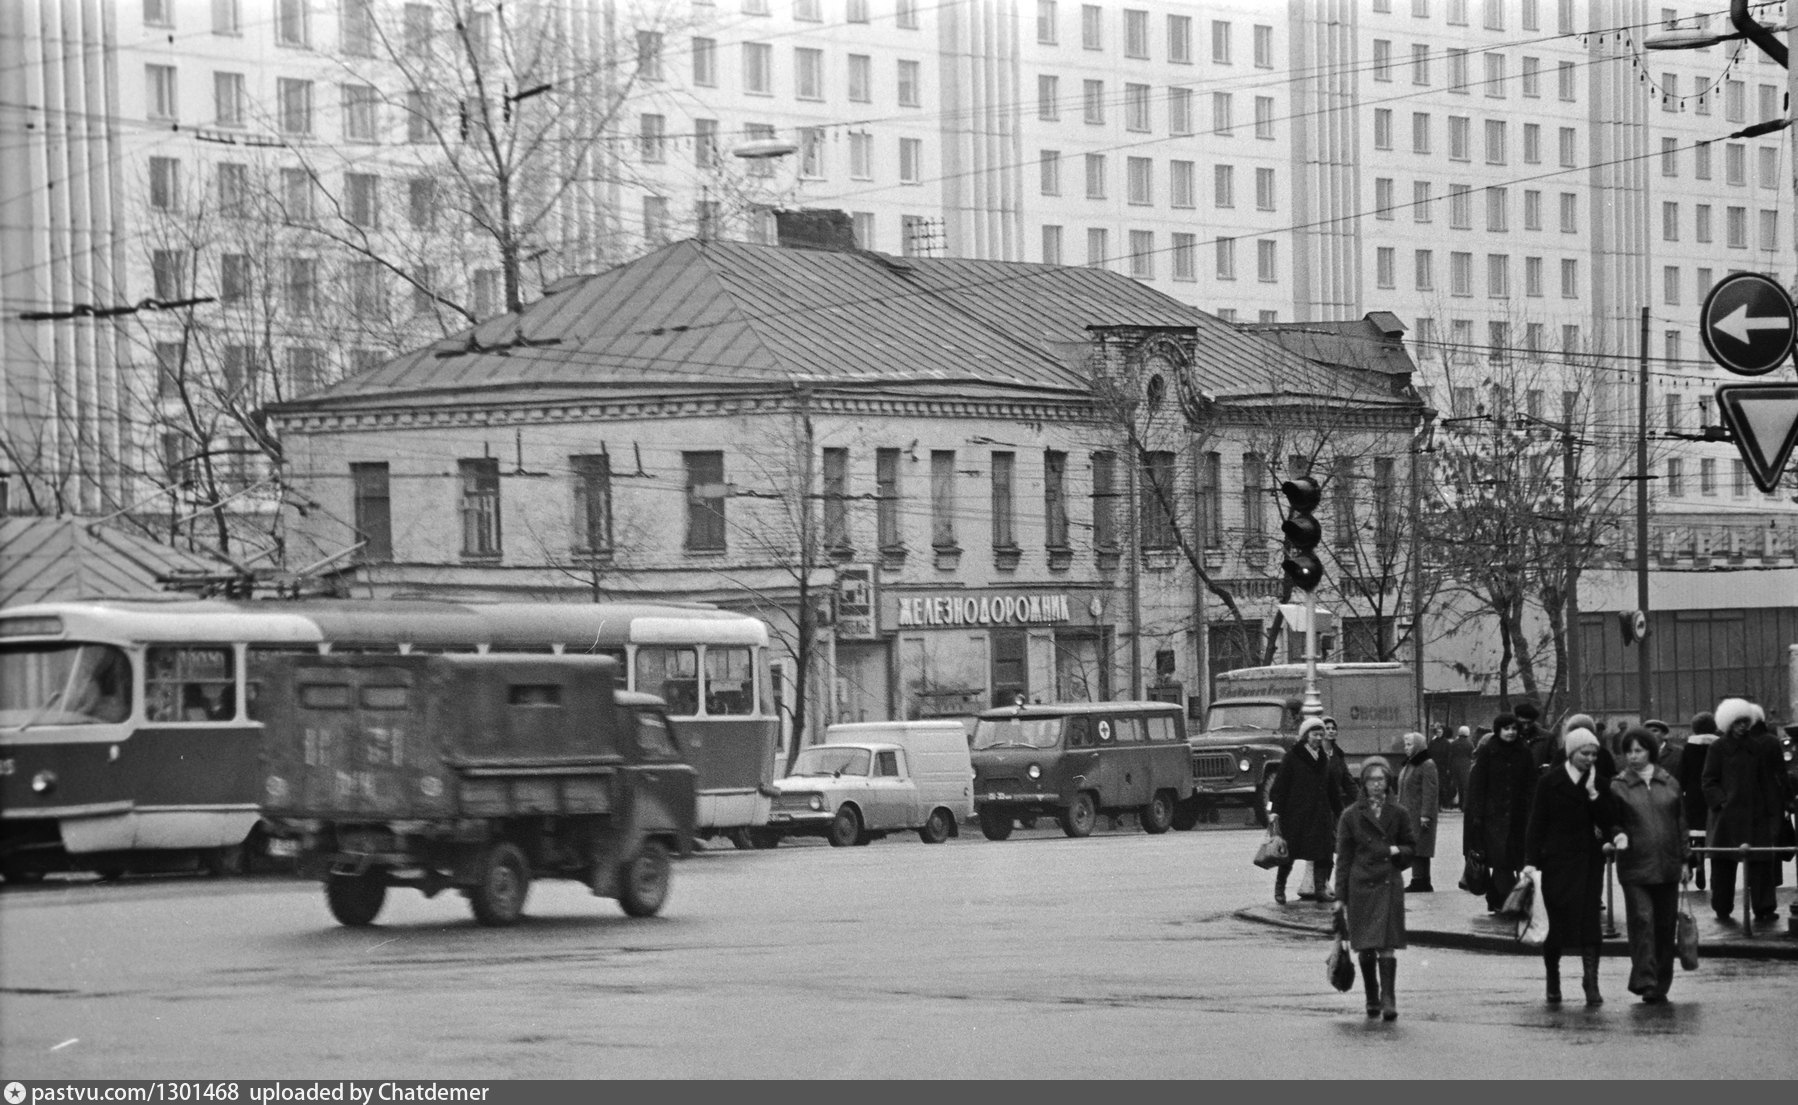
x,y
817,802
1242,764
1034,772
44,782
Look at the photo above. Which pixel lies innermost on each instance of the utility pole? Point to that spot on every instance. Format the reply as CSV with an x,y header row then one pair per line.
x,y
1644,664
1570,562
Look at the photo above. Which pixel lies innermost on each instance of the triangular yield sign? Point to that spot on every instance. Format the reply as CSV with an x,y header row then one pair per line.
x,y
1763,418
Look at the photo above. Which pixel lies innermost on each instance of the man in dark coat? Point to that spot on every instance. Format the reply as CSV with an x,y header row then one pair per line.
x,y
1542,746
1442,754
1744,792
1345,783
1497,808
1306,806
1691,785
1460,763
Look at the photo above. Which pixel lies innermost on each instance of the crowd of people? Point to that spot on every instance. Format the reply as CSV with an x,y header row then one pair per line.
x,y
1551,806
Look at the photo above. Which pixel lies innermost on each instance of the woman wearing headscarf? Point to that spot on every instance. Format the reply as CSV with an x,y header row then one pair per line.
x,y
1374,844
1564,850
1498,807
1649,834
1304,805
1419,788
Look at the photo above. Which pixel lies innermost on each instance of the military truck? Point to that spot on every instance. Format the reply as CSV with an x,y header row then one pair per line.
x,y
474,773
1254,721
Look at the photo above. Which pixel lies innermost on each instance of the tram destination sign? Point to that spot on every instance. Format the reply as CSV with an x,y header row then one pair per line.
x,y
1748,324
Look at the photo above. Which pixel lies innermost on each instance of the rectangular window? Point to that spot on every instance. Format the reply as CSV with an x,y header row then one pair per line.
x,y
1460,273
1735,101
1569,278
1264,117
1495,76
360,121
362,200
811,153
165,184
758,69
1532,277
1735,164
1179,39
836,498
421,202
1382,59
910,85
1382,128
160,86
1532,209
1093,102
1703,91
1220,42
1092,27
1707,476
302,287
1105,529
1208,501
1139,174
1098,248
1264,46
1701,161
234,190
905,14
861,78
1222,121
886,500
170,371
1185,250
234,278
705,62
1385,504
1226,258
1179,111
227,17
1670,285
1052,252
1050,164
1460,207
1142,254
706,491
228,99
1676,477
418,117
1385,267
1768,158
1569,147
1264,189
1498,210
1769,229
1266,261
1570,212
1532,77
373,508
1095,176
1055,499
1420,201
1048,97
1701,222
1498,276
808,74
1254,496
942,498
863,225
1496,151
1459,143
1564,80
1669,221
1457,70
293,23
1156,501
1180,183
294,104
911,161
1136,107
1420,64
1045,22
1136,34
1426,270
1382,197
1420,132
1005,534
480,506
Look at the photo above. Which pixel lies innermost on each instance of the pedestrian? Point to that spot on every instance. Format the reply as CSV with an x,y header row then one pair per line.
x,y
1419,790
1498,808
1691,787
1649,835
1744,792
1607,763
1672,748
1460,763
1442,754
1304,806
1542,745
1565,852
1374,844
1346,792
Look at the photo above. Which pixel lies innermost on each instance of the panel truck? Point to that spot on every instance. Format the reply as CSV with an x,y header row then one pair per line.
x,y
1254,721
472,772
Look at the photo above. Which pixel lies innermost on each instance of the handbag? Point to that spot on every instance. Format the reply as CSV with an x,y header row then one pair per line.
x,y
1686,935
1533,928
1474,878
1517,904
1341,962
1273,851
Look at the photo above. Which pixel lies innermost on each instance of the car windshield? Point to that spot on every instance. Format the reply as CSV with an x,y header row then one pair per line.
x,y
63,685
828,760
1246,715
1020,732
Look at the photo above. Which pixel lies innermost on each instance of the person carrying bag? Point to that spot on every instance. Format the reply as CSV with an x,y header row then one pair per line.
x,y
1273,851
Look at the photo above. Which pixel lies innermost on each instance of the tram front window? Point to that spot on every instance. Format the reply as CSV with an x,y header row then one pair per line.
x,y
63,685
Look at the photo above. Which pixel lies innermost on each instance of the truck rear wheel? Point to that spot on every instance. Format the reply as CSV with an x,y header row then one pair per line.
x,y
845,828
995,824
643,881
1078,818
1159,813
1187,814
937,827
356,900
502,879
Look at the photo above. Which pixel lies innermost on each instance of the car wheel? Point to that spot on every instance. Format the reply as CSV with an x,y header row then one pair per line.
x,y
1158,815
845,828
356,900
502,879
995,824
1077,820
643,883
937,827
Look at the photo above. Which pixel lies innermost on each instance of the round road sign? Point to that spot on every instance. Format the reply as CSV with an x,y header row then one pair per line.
x,y
1748,324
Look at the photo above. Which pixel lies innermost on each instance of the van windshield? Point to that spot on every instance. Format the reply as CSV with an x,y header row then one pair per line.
x,y
1245,715
826,760
1027,732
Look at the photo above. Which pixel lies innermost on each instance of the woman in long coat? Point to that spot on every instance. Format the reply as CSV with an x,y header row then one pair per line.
x,y
1564,851
1650,838
1498,807
1419,791
1306,805
1744,781
1374,845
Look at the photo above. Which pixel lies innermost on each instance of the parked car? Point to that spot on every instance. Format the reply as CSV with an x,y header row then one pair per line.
x,y
870,779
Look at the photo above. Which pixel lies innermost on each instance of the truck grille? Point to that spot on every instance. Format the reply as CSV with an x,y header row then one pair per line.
x,y
1213,765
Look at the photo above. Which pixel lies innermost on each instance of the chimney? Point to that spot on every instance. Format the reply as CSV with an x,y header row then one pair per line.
x,y
815,229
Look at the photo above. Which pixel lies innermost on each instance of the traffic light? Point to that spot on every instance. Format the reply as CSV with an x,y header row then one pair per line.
x,y
1303,533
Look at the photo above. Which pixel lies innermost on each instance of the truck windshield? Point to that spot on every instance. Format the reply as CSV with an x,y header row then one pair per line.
x,y
63,685
1023,732
1245,715
826,760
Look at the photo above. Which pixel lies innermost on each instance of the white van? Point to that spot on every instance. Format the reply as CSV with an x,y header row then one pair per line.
x,y
871,778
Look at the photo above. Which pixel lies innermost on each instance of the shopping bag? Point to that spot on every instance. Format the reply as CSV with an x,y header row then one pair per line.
x,y
1517,904
1273,851
1533,929
1474,879
1341,965
1686,935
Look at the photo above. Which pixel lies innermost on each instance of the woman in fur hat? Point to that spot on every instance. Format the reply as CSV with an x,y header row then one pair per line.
x,y
1564,851
1744,791
1304,805
1375,842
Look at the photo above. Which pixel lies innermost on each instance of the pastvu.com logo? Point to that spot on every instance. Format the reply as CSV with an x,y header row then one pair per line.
x,y
15,1093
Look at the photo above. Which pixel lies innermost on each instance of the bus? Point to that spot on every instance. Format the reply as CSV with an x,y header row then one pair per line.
x,y
129,735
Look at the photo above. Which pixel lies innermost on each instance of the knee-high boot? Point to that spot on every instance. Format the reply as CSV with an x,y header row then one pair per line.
x,y
1589,975
1551,964
1389,989
1280,875
1371,980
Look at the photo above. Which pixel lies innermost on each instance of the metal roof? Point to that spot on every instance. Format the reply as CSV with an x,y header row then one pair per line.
x,y
47,559
725,315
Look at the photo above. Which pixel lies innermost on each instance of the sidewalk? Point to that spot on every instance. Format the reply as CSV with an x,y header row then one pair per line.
x,y
1452,918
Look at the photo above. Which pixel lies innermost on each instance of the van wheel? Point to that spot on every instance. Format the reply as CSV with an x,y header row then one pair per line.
x,y
356,900
936,827
1077,820
502,879
995,824
1158,815
643,881
845,828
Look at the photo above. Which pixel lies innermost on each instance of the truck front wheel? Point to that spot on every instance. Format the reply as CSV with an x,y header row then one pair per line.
x,y
502,879
356,900
643,882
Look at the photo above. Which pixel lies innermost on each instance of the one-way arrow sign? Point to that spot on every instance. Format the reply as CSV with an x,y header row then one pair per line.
x,y
1748,324
1763,418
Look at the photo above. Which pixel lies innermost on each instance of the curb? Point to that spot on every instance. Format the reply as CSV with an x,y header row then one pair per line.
x,y
1781,949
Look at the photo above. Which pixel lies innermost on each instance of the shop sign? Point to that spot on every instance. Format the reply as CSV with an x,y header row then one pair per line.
x,y
998,610
857,614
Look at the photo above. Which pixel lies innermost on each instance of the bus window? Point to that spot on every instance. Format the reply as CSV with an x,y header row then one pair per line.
x,y
729,680
671,674
190,684
64,685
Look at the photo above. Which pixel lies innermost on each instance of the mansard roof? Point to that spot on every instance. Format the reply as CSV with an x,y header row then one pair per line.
x,y
731,316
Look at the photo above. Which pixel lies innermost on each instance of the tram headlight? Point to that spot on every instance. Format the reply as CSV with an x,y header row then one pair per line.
x,y
1034,772
44,782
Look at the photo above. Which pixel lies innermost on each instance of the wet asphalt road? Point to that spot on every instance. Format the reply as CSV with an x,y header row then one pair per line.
x,y
1041,957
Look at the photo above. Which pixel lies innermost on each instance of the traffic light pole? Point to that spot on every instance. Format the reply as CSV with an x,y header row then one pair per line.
x,y
1314,702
